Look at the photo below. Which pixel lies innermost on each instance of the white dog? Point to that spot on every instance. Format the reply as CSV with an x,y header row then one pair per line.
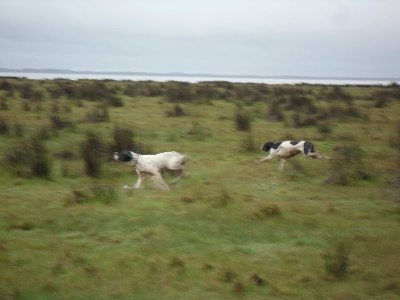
x,y
287,149
152,165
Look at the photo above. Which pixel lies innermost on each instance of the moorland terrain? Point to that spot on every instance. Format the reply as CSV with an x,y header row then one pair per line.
x,y
229,229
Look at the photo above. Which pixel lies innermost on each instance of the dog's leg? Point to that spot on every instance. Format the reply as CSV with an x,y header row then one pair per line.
x,y
261,160
141,177
316,155
182,171
159,181
282,164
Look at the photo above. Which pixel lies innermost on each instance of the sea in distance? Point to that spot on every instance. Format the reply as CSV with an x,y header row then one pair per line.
x,y
199,78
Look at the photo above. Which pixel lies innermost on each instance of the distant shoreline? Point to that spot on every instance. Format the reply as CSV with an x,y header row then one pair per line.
x,y
181,74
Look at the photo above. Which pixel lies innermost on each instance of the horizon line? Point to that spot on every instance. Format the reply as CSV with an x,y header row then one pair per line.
x,y
184,74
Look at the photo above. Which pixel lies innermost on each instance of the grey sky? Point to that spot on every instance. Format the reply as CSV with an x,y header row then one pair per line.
x,y
354,38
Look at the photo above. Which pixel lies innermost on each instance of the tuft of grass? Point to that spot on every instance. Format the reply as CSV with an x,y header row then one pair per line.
x,y
198,132
104,192
337,256
268,210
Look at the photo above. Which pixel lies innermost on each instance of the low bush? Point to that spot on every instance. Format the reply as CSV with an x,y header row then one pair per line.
x,y
179,92
5,127
29,158
198,132
176,111
122,140
248,144
93,153
242,120
348,166
336,257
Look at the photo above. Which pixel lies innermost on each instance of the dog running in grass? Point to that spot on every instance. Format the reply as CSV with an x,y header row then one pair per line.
x,y
287,149
152,165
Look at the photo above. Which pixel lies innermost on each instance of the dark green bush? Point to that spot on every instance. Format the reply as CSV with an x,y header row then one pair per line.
x,y
5,128
325,127
122,140
242,120
176,111
93,153
6,85
41,165
275,113
348,166
248,144
28,158
59,122
179,92
28,92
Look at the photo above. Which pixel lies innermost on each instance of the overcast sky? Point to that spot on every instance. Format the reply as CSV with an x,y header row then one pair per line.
x,y
352,38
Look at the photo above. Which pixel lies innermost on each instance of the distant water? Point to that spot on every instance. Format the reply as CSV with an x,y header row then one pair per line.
x,y
193,79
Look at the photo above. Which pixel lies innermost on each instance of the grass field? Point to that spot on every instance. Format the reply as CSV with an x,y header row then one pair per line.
x,y
230,229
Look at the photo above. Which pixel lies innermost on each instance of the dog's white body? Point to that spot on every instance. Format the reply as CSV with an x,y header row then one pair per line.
x,y
153,164
287,149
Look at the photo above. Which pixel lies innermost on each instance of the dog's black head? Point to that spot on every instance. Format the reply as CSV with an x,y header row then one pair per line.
x,y
267,146
124,156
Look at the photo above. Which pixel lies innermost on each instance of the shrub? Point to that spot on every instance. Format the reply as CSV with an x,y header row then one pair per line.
x,y
242,120
275,113
94,91
29,93
29,158
58,122
337,93
115,101
177,111
93,152
301,103
41,166
179,92
349,166
122,140
4,127
6,86
248,143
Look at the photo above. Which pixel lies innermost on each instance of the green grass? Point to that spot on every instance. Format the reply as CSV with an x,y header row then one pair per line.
x,y
229,230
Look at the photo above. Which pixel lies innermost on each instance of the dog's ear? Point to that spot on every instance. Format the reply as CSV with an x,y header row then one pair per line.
x,y
267,146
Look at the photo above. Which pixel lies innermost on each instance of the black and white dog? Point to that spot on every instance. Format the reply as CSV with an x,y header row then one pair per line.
x,y
288,149
152,165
